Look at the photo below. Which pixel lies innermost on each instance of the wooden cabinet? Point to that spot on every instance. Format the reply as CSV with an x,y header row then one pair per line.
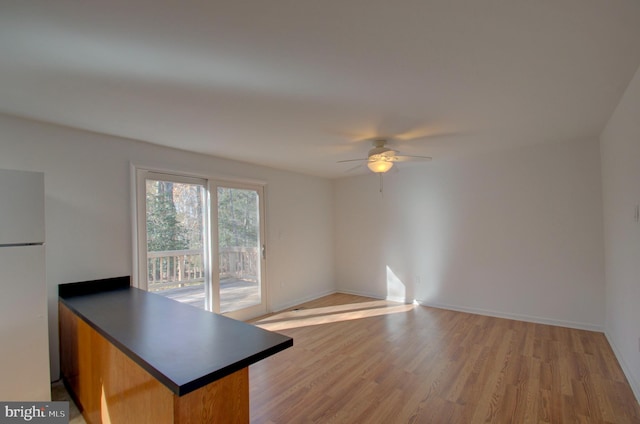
x,y
129,356
109,387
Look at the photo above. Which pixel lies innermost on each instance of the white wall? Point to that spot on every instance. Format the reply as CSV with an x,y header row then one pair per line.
x,y
620,144
88,211
513,233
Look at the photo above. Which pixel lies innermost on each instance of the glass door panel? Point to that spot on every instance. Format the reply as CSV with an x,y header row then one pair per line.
x,y
239,248
175,234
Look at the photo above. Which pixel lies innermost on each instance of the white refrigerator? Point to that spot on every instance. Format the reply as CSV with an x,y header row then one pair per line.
x,y
24,334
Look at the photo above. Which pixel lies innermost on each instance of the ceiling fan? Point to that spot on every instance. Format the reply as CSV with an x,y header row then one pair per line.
x,y
381,158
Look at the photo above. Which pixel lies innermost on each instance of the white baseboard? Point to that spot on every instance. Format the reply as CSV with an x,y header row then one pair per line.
x,y
376,296
291,303
516,317
360,293
635,386
478,311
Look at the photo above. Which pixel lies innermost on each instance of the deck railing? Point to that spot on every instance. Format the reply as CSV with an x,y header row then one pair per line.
x,y
177,268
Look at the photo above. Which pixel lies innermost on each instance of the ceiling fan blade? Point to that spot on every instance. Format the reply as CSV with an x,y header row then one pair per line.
x,y
355,168
409,158
352,160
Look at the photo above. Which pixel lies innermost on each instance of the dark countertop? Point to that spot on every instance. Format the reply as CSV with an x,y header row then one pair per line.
x,y
182,346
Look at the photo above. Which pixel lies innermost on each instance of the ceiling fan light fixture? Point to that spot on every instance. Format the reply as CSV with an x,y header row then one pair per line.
x,y
380,165
381,158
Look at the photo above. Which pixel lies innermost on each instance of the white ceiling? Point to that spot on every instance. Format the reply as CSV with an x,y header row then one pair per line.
x,y
299,84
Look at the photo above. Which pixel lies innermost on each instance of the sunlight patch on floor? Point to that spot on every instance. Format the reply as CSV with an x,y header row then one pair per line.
x,y
330,314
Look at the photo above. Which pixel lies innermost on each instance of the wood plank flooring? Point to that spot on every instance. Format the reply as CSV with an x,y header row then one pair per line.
x,y
361,360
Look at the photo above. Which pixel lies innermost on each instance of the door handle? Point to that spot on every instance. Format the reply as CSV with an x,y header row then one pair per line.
x,y
264,251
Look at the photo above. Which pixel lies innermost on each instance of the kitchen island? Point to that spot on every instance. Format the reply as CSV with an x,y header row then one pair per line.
x,y
128,355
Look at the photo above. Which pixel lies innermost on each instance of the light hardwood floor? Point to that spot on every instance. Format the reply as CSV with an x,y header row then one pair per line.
x,y
360,360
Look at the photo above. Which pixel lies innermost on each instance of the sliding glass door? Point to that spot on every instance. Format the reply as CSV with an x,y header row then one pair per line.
x,y
201,242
